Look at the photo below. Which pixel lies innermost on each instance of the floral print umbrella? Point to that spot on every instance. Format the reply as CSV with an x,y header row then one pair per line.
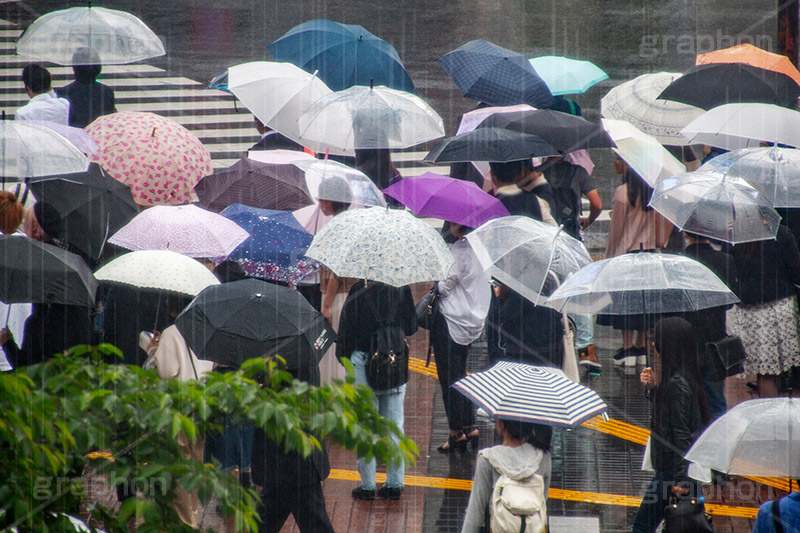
x,y
160,160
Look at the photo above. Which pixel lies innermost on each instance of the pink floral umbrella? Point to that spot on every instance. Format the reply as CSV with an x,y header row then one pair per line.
x,y
160,160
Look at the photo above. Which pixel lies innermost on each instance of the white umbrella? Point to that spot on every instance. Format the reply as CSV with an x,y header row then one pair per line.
x,y
276,93
641,152
366,117
159,270
76,136
386,245
330,180
103,36
735,126
636,101
29,150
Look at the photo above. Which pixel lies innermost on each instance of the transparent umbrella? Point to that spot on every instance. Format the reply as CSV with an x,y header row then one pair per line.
x,y
641,152
330,180
716,206
28,150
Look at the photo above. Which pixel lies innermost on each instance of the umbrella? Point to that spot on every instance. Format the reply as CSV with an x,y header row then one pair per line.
x,y
736,126
567,76
535,394
219,82
521,252
159,270
232,322
34,272
77,136
637,101
279,156
112,38
386,245
446,198
331,180
751,55
490,144
716,206
276,246
641,283
495,75
250,182
344,55
716,84
28,150
774,171
368,117
641,152
564,131
754,438
160,160
276,93
186,229
92,206
311,218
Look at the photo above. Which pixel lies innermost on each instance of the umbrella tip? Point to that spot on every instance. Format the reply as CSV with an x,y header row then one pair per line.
x,y
371,83
154,133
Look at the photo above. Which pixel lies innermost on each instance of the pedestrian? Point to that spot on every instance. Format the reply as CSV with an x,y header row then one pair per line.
x,y
371,306
518,201
376,163
535,182
88,98
11,212
272,140
463,306
45,104
778,515
679,415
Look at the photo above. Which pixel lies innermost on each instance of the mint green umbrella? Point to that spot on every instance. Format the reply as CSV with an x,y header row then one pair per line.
x,y
567,76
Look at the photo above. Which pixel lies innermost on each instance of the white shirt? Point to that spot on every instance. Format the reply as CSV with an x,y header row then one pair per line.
x,y
45,106
465,295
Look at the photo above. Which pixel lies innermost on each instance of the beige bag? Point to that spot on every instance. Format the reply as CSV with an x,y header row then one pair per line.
x,y
570,364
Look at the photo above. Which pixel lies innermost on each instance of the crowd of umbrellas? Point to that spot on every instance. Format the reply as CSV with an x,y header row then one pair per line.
x,y
334,89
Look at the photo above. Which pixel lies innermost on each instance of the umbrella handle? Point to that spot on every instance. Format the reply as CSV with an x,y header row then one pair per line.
x,y
8,315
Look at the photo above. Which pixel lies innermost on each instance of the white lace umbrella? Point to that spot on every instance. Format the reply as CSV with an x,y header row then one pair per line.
x,y
159,270
28,150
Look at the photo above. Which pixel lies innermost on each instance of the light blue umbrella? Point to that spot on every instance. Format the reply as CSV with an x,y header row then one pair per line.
x,y
567,76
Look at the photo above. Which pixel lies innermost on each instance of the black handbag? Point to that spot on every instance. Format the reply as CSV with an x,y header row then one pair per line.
x,y
686,515
387,365
427,308
726,357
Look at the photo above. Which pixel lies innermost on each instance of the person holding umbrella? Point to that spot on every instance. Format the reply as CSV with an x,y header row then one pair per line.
x,y
88,98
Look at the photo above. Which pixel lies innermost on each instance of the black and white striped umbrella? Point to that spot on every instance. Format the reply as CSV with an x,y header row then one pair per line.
x,y
516,391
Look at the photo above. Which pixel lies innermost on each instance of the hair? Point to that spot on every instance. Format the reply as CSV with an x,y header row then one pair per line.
x,y
376,163
228,271
11,212
510,171
48,218
36,78
535,434
86,73
639,192
176,303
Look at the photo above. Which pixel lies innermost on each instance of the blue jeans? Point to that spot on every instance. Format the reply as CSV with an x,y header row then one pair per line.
x,y
715,393
584,330
389,403
232,448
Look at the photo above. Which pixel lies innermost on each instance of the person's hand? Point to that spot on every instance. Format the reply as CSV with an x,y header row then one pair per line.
x,y
5,336
327,312
677,490
585,223
153,341
647,377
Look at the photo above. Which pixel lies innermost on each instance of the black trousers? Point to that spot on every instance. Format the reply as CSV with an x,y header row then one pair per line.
x,y
451,365
306,504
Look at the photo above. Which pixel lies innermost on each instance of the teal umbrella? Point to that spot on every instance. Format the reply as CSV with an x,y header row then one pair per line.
x,y
567,76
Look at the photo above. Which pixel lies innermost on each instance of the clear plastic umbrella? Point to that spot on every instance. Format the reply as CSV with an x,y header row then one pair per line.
x,y
520,251
641,152
735,126
641,283
101,36
28,150
716,206
330,180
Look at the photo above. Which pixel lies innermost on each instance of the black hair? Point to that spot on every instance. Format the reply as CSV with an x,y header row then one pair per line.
x,y
175,303
639,192
36,78
510,171
86,73
537,435
228,271
376,163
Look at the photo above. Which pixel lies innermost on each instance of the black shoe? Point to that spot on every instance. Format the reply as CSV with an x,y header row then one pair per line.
x,y
363,494
390,493
625,357
246,479
457,442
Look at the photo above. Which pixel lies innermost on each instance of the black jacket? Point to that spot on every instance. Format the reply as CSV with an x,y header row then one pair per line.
x,y
768,270
87,101
529,333
523,203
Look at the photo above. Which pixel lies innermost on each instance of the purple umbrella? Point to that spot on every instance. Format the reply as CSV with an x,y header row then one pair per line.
x,y
459,201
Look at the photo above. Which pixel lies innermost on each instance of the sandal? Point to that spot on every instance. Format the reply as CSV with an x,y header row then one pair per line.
x,y
454,442
472,435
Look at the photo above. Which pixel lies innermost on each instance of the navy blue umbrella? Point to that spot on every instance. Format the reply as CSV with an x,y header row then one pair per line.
x,y
343,55
495,75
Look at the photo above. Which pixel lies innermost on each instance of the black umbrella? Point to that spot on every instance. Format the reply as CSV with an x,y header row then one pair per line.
x,y
716,84
254,184
92,206
232,322
34,272
490,144
564,131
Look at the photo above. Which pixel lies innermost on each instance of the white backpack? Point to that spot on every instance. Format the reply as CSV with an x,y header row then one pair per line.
x,y
518,506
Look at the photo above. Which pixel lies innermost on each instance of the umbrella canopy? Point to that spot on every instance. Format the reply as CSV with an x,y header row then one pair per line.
x,y
276,93
219,82
76,136
160,160
186,229
521,252
490,144
159,270
641,152
331,180
250,182
564,131
774,171
232,322
541,395
751,55
446,198
92,206
368,117
386,245
755,438
716,206
567,76
343,54
28,150
736,126
716,84
89,36
637,101
276,244
311,218
495,75
34,272
641,284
